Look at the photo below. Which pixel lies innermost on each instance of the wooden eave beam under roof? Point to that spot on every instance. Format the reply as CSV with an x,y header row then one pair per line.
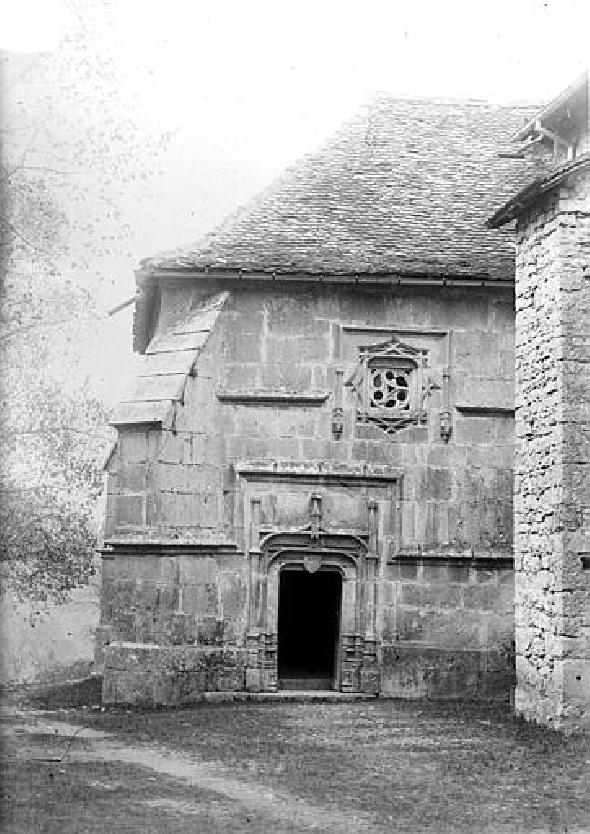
x,y
576,92
535,190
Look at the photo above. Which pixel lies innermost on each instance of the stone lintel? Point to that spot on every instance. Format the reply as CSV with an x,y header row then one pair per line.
x,y
485,410
316,473
497,560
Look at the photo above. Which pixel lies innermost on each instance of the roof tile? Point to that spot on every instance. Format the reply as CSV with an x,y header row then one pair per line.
x,y
405,186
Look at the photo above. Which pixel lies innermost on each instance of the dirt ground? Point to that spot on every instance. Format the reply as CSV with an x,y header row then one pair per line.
x,y
381,766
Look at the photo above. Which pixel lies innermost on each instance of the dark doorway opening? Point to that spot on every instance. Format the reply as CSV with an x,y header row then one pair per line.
x,y
308,628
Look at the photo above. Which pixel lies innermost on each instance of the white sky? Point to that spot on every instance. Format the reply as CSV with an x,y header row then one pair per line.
x,y
247,86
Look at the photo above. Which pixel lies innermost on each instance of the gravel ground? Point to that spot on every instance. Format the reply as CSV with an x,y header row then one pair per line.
x,y
381,766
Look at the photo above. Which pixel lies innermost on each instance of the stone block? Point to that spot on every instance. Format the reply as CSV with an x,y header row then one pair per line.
x,y
412,595
475,430
131,477
573,679
182,628
290,315
247,448
236,376
203,599
254,422
390,454
290,377
403,571
233,599
441,596
132,445
497,632
292,350
210,631
302,422
450,628
247,321
482,597
243,348
458,573
172,448
484,575
440,673
432,572
408,510
130,510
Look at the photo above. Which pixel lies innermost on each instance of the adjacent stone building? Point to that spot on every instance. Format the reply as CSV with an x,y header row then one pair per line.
x,y
312,484
552,450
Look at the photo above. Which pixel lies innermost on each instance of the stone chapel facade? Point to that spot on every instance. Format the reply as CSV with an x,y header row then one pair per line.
x,y
312,483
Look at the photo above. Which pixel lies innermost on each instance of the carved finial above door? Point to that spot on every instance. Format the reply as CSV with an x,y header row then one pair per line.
x,y
315,514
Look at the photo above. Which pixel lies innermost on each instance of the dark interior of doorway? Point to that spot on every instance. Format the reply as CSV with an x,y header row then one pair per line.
x,y
308,628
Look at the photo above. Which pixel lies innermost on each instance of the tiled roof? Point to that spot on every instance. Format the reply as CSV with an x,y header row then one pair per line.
x,y
404,187
166,365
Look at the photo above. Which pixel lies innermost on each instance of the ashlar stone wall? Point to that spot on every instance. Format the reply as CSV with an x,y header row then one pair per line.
x,y
552,458
257,427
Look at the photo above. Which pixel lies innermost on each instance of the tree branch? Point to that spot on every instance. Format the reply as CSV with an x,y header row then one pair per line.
x,y
50,170
34,246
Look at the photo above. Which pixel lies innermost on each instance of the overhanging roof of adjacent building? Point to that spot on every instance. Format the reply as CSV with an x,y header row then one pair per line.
x,y
562,117
403,188
529,195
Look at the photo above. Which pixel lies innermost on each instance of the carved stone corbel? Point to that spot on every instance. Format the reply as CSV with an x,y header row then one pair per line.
x,y
338,411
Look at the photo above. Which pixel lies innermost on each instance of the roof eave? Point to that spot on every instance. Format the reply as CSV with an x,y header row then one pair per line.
x,y
438,278
548,110
529,195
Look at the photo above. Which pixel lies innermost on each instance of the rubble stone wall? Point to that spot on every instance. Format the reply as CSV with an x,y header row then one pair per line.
x,y
552,458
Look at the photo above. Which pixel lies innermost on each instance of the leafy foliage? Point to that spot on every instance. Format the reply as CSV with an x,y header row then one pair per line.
x,y
70,149
52,426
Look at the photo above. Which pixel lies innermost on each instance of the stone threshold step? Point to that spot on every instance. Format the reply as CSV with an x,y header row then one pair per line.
x,y
295,695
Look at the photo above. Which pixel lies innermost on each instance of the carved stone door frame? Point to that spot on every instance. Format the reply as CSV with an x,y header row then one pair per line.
x,y
312,551
358,553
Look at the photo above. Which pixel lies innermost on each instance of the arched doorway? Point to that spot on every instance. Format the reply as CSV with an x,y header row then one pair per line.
x,y
350,662
308,639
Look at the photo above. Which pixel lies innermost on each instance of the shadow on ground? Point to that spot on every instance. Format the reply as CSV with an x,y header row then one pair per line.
x,y
381,766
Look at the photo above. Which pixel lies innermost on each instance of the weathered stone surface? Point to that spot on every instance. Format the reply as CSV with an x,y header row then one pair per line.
x,y
233,473
553,457
439,673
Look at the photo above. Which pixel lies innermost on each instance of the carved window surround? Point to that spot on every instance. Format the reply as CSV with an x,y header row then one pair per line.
x,y
389,385
393,359
423,384
272,397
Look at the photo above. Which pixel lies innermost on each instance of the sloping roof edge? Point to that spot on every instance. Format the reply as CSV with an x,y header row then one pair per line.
x,y
166,366
551,107
529,195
